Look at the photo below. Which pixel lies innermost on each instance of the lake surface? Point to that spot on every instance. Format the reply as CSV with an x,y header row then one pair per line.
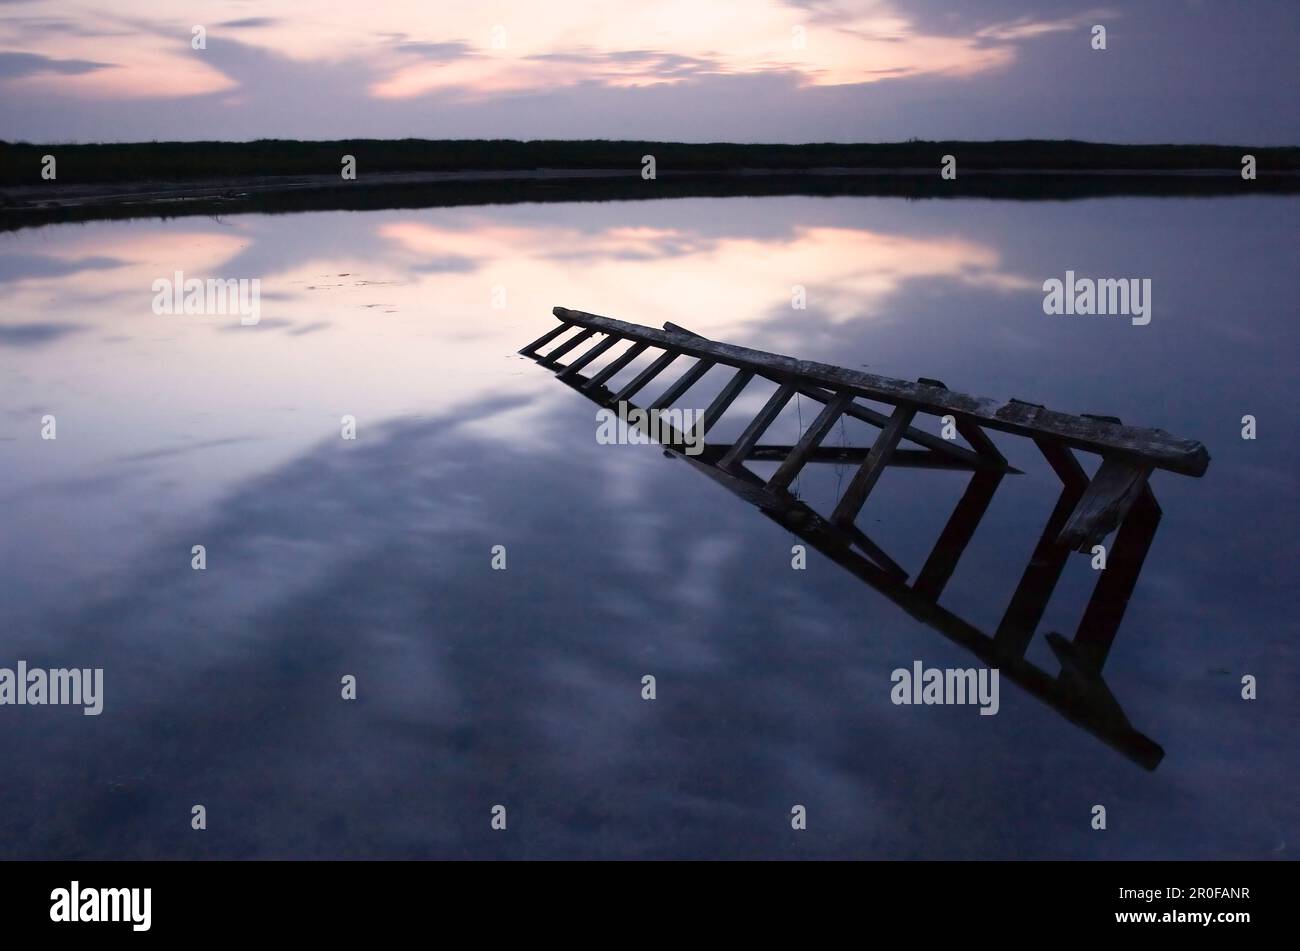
x,y
522,687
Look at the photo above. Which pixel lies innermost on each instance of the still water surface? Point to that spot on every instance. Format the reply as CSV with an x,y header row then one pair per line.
x,y
522,687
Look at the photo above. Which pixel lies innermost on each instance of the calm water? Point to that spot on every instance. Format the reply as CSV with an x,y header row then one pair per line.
x,y
522,687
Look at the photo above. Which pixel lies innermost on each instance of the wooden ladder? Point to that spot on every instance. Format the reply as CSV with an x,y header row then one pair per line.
x,y
1116,498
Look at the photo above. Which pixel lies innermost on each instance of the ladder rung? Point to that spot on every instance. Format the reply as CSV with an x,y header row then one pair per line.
x,y
645,376
724,399
820,426
568,345
918,436
627,357
590,355
757,426
544,339
864,480
687,380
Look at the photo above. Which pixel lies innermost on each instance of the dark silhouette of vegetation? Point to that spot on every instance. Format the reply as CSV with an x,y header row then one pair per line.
x,y
348,197
20,163
270,176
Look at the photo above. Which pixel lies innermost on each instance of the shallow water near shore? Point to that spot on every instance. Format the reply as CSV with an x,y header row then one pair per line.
x,y
371,556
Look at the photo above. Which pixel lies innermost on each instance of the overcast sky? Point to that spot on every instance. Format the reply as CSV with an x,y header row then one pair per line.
x,y
689,70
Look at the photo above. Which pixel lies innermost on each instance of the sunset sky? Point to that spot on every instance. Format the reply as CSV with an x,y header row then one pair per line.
x,y
689,70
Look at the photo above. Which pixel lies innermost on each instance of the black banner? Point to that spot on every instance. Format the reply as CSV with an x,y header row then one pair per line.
x,y
334,900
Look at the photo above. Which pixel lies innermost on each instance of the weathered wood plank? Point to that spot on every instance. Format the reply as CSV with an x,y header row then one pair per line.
x,y
590,355
814,434
1105,502
757,426
864,480
1159,448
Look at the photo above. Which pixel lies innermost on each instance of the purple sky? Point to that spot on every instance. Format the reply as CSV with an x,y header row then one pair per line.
x,y
689,70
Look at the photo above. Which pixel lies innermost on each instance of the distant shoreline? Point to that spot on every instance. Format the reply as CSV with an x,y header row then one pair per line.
x,y
167,179
21,163
55,195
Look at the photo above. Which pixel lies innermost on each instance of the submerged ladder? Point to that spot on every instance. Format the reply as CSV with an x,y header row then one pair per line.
x,y
1116,498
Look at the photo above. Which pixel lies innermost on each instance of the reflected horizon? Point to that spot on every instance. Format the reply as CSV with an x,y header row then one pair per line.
x,y
372,556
